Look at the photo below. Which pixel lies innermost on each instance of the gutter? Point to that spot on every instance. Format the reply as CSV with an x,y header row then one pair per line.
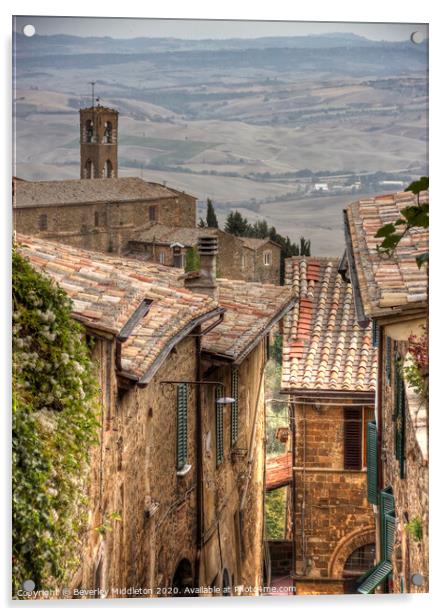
x,y
153,368
362,319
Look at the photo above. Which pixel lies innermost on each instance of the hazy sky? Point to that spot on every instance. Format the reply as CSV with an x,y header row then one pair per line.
x,y
199,29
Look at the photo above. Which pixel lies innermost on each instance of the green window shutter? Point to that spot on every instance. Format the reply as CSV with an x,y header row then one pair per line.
x,y
386,507
399,425
182,425
377,575
371,461
390,529
388,360
219,427
234,406
375,333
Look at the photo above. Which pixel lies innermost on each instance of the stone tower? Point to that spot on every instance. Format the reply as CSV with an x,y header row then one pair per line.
x,y
99,142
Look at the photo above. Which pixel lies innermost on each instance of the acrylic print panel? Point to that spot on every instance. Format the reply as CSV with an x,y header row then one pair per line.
x,y
220,306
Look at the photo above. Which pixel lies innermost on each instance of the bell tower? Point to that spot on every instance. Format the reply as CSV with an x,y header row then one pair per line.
x,y
99,141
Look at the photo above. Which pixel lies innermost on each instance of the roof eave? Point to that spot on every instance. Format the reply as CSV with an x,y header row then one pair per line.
x,y
362,319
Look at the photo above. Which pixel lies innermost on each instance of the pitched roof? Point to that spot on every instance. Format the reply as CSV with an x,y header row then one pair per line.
x,y
79,192
106,291
251,310
324,348
278,471
254,243
385,284
164,234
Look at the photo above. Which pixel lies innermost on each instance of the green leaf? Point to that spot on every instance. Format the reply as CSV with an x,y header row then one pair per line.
x,y
386,230
418,186
421,259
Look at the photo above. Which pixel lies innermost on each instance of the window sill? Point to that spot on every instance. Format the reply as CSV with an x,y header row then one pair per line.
x,y
184,470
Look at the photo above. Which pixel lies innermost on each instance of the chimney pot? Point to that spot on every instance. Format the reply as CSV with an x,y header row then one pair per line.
x,y
205,282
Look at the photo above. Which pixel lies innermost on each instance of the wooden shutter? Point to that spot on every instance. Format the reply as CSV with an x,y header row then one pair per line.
x,y
375,333
389,531
388,360
386,507
182,425
399,419
234,406
353,438
219,427
371,461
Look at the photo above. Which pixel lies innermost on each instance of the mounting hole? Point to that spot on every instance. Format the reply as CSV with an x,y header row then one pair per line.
x,y
416,37
29,30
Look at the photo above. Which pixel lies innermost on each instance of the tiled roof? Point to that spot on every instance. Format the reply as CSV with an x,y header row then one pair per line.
x,y
251,310
106,290
65,192
278,471
164,234
324,348
386,284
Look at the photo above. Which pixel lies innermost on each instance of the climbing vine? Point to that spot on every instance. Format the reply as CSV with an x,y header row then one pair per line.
x,y
54,425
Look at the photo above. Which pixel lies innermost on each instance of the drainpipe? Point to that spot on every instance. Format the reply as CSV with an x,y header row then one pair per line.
x,y
293,430
199,463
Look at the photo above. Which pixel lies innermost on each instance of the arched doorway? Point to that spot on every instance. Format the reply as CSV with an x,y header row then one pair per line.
x,y
183,580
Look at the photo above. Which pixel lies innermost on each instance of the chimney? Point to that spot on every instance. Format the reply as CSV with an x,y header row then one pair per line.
x,y
204,281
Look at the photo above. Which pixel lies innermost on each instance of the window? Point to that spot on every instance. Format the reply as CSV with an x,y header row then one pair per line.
x,y
43,222
162,257
152,213
89,170
108,169
353,438
96,219
360,560
267,257
89,131
182,425
108,132
243,262
234,406
219,427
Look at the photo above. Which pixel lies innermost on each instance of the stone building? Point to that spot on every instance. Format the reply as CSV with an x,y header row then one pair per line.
x,y
99,142
391,292
181,439
255,260
97,214
329,373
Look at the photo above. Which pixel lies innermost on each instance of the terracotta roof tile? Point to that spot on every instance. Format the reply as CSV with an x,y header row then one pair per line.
x,y
278,471
387,283
324,347
107,290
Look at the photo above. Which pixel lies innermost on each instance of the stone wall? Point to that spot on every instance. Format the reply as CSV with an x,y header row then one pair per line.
x,y
332,516
267,273
103,226
410,493
134,475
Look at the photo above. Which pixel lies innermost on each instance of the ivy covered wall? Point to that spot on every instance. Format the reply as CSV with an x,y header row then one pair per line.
x,y
54,423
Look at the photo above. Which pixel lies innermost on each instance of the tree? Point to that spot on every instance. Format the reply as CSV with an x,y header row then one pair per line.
x,y
412,216
202,223
236,224
211,218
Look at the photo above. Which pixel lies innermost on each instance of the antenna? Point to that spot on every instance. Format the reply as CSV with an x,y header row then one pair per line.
x,y
92,83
